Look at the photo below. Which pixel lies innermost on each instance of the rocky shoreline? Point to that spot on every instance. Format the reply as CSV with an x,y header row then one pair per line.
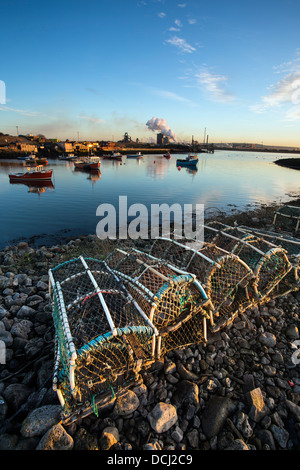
x,y
240,391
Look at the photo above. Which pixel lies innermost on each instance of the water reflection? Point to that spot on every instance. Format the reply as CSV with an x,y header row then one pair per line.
x,y
93,174
36,187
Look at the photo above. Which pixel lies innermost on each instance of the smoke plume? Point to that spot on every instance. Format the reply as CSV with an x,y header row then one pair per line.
x,y
158,124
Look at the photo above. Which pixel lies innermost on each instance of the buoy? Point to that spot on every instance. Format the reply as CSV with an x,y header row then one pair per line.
x,y
179,168
154,161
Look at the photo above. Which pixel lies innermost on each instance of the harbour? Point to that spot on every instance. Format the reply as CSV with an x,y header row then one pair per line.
x,y
226,181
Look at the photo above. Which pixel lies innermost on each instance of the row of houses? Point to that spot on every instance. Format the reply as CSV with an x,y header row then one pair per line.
x,y
65,147
70,147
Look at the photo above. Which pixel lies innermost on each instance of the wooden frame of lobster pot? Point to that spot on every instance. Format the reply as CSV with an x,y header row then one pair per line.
x,y
102,336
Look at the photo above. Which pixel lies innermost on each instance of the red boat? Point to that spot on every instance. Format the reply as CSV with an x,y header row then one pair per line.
x,y
32,174
92,163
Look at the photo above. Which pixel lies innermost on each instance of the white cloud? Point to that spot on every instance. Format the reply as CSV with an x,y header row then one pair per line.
x,y
20,111
182,5
215,85
181,44
171,95
178,23
285,92
161,14
92,119
192,21
292,114
292,66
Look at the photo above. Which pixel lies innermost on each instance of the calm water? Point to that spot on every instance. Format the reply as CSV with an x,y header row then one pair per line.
x,y
228,181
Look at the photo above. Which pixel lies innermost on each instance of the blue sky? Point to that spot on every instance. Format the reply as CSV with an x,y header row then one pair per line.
x,y
101,68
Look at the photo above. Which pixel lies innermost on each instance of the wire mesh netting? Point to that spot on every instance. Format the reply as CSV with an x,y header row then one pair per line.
x,y
170,297
223,275
291,281
269,262
287,217
102,335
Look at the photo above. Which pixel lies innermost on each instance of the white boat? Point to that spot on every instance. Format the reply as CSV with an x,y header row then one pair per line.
x,y
92,163
135,155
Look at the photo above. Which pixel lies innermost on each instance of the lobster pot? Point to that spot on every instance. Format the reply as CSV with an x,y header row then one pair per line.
x,y
291,281
102,336
215,233
168,296
223,275
268,262
189,332
287,217
176,253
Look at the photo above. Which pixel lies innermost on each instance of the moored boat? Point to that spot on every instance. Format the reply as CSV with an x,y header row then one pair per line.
x,y
134,155
190,160
167,155
88,162
32,174
113,156
68,157
37,161
27,158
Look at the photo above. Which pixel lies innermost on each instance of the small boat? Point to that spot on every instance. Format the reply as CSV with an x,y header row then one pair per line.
x,y
134,155
32,174
68,157
167,155
190,160
88,162
27,158
37,161
113,156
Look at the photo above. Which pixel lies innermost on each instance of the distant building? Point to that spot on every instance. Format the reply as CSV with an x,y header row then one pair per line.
x,y
81,146
127,138
160,139
108,146
27,147
66,147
